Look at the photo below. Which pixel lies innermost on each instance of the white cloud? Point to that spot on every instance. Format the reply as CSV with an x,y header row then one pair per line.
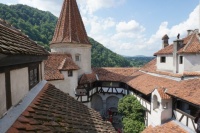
x,y
125,37
131,26
191,23
93,5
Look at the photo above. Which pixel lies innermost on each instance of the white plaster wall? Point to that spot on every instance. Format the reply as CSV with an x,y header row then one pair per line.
x,y
144,103
167,66
2,94
19,84
192,62
166,114
83,50
180,66
68,84
155,116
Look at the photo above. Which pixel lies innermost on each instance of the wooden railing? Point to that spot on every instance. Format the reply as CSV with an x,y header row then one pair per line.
x,y
185,119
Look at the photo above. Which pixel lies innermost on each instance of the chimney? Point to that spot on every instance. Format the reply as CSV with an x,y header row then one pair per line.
x,y
189,32
165,39
176,47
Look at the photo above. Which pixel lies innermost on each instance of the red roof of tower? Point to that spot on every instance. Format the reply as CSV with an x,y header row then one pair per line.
x,y
70,27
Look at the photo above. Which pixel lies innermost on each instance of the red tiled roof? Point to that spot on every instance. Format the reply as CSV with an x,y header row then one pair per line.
x,y
57,62
88,78
14,42
70,27
54,111
191,73
113,74
191,44
170,127
146,83
187,90
162,93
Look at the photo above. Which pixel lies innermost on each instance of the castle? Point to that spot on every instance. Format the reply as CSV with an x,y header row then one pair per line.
x,y
167,87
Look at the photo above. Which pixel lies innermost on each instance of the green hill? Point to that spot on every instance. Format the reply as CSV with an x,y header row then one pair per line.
x,y
39,26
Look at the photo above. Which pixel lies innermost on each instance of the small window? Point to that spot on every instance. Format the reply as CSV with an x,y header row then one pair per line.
x,y
77,58
33,75
181,60
165,106
70,73
163,59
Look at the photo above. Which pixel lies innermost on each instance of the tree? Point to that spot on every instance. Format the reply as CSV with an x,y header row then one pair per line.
x,y
133,114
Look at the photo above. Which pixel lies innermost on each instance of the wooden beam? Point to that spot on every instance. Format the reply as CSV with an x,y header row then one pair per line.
x,y
20,59
8,90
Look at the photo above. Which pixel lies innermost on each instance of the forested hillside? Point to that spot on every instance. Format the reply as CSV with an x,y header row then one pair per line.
x,y
39,26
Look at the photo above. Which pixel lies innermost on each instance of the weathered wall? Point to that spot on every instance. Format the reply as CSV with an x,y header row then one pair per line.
x,y
2,94
19,84
68,84
83,50
192,62
167,66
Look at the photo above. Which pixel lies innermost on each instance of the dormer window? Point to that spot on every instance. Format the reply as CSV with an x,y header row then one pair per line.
x,y
163,59
77,57
181,60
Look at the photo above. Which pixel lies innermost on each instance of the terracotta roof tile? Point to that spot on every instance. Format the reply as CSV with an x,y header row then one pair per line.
x,y
70,27
170,127
191,44
146,83
113,74
57,62
87,78
191,73
14,42
162,93
55,111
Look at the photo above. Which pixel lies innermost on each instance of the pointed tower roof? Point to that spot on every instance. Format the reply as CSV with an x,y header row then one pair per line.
x,y
70,27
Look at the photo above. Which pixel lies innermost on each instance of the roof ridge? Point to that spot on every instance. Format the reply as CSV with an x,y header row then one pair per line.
x,y
189,42
70,27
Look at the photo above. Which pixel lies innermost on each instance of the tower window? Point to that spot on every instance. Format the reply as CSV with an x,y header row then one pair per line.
x,y
162,59
70,73
77,57
181,60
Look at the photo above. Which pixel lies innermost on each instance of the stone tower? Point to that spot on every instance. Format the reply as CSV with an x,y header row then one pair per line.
x,y
70,36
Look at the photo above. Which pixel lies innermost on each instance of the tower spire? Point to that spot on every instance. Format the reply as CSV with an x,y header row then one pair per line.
x,y
70,27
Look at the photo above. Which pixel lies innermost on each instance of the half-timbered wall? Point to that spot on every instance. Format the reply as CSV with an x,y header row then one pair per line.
x,y
15,83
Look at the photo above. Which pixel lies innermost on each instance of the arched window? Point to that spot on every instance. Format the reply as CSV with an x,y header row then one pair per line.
x,y
155,102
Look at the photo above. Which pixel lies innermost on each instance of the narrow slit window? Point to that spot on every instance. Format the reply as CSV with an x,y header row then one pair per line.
x,y
181,59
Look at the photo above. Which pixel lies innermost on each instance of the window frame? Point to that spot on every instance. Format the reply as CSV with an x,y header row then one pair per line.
x,y
70,73
77,57
33,74
163,59
180,59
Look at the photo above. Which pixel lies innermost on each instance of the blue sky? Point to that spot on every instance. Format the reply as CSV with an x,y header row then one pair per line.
x,y
130,27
